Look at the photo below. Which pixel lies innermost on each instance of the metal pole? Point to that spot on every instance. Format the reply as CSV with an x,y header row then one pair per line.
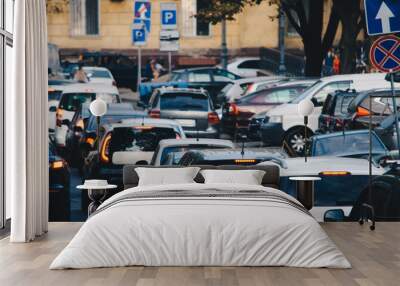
x,y
98,137
169,62
305,138
396,115
139,71
224,46
282,64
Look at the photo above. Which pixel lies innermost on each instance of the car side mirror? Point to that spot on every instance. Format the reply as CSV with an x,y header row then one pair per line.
x,y
334,215
315,102
53,109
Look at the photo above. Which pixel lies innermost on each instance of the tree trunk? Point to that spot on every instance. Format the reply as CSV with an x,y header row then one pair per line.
x,y
312,39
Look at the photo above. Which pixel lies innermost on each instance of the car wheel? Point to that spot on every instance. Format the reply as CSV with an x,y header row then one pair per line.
x,y
295,141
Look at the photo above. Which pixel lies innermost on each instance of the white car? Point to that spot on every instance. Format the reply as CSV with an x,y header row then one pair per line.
x,y
247,67
239,87
75,95
284,124
342,180
99,75
167,146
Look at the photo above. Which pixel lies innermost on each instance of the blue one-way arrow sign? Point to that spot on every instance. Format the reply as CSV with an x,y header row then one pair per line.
x,y
382,16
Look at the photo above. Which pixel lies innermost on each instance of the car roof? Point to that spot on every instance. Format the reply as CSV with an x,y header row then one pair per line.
x,y
257,79
165,90
91,88
298,82
217,154
156,122
340,133
315,165
194,141
95,68
115,108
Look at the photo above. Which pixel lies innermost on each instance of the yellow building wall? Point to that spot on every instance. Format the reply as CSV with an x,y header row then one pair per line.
x,y
252,29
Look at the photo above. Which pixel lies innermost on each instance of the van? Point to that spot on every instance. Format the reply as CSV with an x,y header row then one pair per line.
x,y
284,126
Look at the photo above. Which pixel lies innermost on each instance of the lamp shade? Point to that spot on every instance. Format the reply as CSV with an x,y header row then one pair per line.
x,y
98,107
305,107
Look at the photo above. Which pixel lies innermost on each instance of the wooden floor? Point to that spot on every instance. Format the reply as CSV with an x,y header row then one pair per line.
x,y
375,257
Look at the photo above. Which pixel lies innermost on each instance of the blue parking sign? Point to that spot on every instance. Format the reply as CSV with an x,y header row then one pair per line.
x,y
382,16
139,36
168,16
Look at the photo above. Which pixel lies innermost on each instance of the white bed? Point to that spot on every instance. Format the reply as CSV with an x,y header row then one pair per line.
x,y
225,225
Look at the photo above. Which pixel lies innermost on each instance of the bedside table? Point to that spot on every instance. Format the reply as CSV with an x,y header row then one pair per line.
x,y
96,194
305,190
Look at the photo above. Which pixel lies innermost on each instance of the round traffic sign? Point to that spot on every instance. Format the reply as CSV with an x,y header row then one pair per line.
x,y
385,54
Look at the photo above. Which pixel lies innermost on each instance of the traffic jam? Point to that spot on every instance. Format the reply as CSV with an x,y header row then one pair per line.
x,y
213,116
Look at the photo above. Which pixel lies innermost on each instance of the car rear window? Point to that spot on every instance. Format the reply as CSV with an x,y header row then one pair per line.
x,y
184,102
54,95
144,138
99,73
165,156
72,101
107,119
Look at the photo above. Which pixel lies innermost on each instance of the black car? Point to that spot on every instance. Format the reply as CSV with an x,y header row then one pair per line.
x,y
221,157
59,178
349,110
81,134
121,66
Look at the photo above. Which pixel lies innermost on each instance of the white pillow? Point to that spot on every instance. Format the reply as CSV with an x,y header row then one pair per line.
x,y
166,176
246,177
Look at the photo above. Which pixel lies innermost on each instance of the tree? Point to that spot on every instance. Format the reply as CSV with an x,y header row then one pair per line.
x,y
307,20
56,6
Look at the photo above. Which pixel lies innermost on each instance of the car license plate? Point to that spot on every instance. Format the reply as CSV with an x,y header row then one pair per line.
x,y
187,122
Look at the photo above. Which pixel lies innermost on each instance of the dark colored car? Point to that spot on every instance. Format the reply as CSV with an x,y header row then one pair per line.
x,y
121,66
191,108
354,144
349,110
59,178
225,157
236,116
131,142
212,79
81,134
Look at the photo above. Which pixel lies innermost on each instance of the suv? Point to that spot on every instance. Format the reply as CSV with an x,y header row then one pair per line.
x,y
191,108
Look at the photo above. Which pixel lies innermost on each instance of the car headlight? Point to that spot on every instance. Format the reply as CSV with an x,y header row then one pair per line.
x,y
275,119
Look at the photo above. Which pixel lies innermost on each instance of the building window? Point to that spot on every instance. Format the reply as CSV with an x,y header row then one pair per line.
x,y
84,20
6,64
191,26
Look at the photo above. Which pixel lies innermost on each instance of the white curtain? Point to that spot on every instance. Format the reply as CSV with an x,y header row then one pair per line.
x,y
26,124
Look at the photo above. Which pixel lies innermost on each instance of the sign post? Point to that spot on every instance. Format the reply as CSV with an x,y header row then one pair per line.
x,y
382,16
385,56
169,34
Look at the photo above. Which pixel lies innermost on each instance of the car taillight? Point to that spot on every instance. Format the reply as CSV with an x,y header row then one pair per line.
x,y
335,173
90,141
178,136
57,165
80,124
104,150
59,116
213,118
249,89
155,113
361,111
233,109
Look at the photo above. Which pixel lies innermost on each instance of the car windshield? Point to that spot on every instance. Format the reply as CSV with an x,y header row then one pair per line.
x,y
311,89
144,138
184,101
99,73
274,95
72,101
165,156
350,144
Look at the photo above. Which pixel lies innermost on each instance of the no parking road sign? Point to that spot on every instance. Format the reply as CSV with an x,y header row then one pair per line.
x,y
385,54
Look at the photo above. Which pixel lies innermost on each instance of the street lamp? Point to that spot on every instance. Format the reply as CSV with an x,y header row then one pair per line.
x,y
98,108
305,108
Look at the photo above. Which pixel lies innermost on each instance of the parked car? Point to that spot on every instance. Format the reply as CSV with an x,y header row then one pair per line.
x,y
349,110
121,66
225,157
211,79
284,124
99,75
72,98
167,146
354,144
236,116
59,179
253,131
343,181
247,67
81,134
193,109
236,89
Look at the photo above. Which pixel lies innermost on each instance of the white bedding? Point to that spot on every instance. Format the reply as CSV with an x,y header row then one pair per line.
x,y
200,231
